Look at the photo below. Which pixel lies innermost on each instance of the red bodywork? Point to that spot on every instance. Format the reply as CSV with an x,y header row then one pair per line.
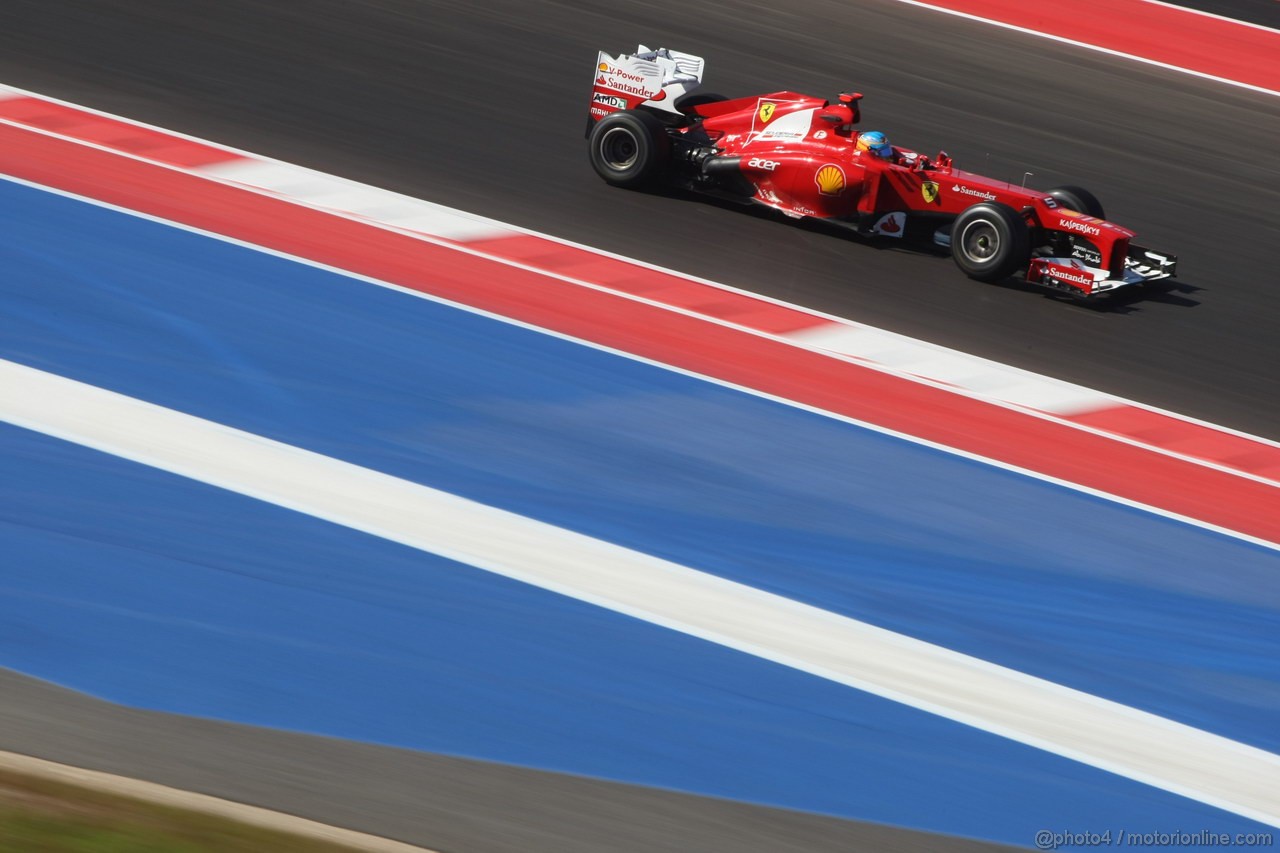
x,y
799,152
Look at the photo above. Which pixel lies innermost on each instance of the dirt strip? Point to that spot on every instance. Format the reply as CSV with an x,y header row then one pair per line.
x,y
174,798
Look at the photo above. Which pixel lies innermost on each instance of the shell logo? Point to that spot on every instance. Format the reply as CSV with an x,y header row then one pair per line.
x,y
603,66
830,179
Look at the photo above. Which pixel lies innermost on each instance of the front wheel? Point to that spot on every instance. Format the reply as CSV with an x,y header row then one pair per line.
x,y
630,149
1078,199
990,241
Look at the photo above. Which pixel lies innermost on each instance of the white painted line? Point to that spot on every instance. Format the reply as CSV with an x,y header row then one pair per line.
x,y
439,220
983,378
1229,20
792,339
317,189
1063,40
913,439
1114,737
162,795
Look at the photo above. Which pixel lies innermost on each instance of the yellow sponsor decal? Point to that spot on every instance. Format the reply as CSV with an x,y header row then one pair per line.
x,y
603,66
929,189
766,112
830,179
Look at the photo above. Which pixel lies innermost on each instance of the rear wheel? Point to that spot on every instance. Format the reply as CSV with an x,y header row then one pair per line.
x,y
630,149
990,241
1078,199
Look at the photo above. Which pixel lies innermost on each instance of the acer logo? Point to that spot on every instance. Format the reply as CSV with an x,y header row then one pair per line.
x,y
758,163
1083,228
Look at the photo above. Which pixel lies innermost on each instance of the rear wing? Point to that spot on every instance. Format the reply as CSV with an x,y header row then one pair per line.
x,y
652,78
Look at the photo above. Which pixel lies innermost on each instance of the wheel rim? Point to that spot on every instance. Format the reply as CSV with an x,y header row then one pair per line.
x,y
618,148
980,242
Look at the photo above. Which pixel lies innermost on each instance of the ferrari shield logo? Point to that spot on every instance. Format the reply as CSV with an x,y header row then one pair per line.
x,y
929,189
766,112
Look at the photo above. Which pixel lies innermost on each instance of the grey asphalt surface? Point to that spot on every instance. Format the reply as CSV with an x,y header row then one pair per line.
x,y
448,804
481,106
1265,13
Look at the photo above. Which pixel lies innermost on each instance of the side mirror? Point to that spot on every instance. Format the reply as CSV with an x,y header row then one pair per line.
x,y
850,100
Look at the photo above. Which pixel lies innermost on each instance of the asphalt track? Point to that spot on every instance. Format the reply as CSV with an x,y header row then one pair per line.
x,y
1265,13
481,107
450,804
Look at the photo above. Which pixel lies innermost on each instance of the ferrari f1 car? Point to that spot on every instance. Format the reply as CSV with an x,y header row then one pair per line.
x,y
651,124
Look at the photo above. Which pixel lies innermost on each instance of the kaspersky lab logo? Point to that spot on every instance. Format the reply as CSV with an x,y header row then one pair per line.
x,y
929,189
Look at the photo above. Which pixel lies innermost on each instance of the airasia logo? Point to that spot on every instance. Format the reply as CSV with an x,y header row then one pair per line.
x,y
1083,228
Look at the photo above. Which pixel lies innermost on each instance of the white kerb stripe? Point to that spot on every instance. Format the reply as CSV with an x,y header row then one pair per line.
x,y
990,379
1105,734
378,205
1064,40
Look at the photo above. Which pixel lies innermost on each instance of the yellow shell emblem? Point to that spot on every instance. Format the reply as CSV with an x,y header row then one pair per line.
x,y
929,189
603,66
830,180
766,112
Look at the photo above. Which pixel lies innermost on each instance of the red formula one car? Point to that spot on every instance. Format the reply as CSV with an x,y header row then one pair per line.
x,y
650,124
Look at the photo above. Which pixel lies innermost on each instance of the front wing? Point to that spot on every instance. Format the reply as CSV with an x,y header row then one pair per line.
x,y
1141,266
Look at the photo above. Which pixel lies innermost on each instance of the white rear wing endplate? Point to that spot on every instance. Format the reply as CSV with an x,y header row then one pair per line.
x,y
652,78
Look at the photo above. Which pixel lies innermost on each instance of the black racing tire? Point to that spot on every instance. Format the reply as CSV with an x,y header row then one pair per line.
x,y
630,149
1078,199
990,241
686,103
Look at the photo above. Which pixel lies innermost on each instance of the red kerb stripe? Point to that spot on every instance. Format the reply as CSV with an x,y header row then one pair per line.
x,y
1177,37
121,135
773,367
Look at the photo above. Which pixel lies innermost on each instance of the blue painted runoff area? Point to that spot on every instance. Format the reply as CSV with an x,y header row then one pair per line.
x,y
143,587
220,606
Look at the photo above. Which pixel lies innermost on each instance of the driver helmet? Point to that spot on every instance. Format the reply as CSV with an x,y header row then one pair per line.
x,y
876,143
